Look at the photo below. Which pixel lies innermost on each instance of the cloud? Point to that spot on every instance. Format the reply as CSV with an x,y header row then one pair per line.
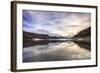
x,y
60,23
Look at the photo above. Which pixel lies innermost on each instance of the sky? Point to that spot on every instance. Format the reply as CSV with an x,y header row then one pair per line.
x,y
55,23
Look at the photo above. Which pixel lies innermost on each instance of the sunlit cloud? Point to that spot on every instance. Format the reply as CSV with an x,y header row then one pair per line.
x,y
55,23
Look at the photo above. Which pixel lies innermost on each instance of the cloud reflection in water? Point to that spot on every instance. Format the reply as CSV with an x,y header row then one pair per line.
x,y
55,52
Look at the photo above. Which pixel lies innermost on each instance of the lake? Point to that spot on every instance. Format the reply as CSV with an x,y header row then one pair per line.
x,y
56,51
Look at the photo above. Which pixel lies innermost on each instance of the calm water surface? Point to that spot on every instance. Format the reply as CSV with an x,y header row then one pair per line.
x,y
58,51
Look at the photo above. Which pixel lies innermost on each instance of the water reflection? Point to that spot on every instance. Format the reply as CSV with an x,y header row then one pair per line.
x,y
56,51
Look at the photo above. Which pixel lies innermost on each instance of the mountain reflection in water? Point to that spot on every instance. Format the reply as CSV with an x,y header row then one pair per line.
x,y
56,51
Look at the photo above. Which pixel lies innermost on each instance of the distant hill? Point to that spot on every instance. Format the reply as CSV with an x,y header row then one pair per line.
x,y
84,33
29,36
28,39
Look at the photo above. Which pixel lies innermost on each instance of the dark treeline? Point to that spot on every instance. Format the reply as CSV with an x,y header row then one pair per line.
x,y
84,33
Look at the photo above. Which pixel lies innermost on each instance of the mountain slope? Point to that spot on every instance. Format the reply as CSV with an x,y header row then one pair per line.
x,y
84,33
